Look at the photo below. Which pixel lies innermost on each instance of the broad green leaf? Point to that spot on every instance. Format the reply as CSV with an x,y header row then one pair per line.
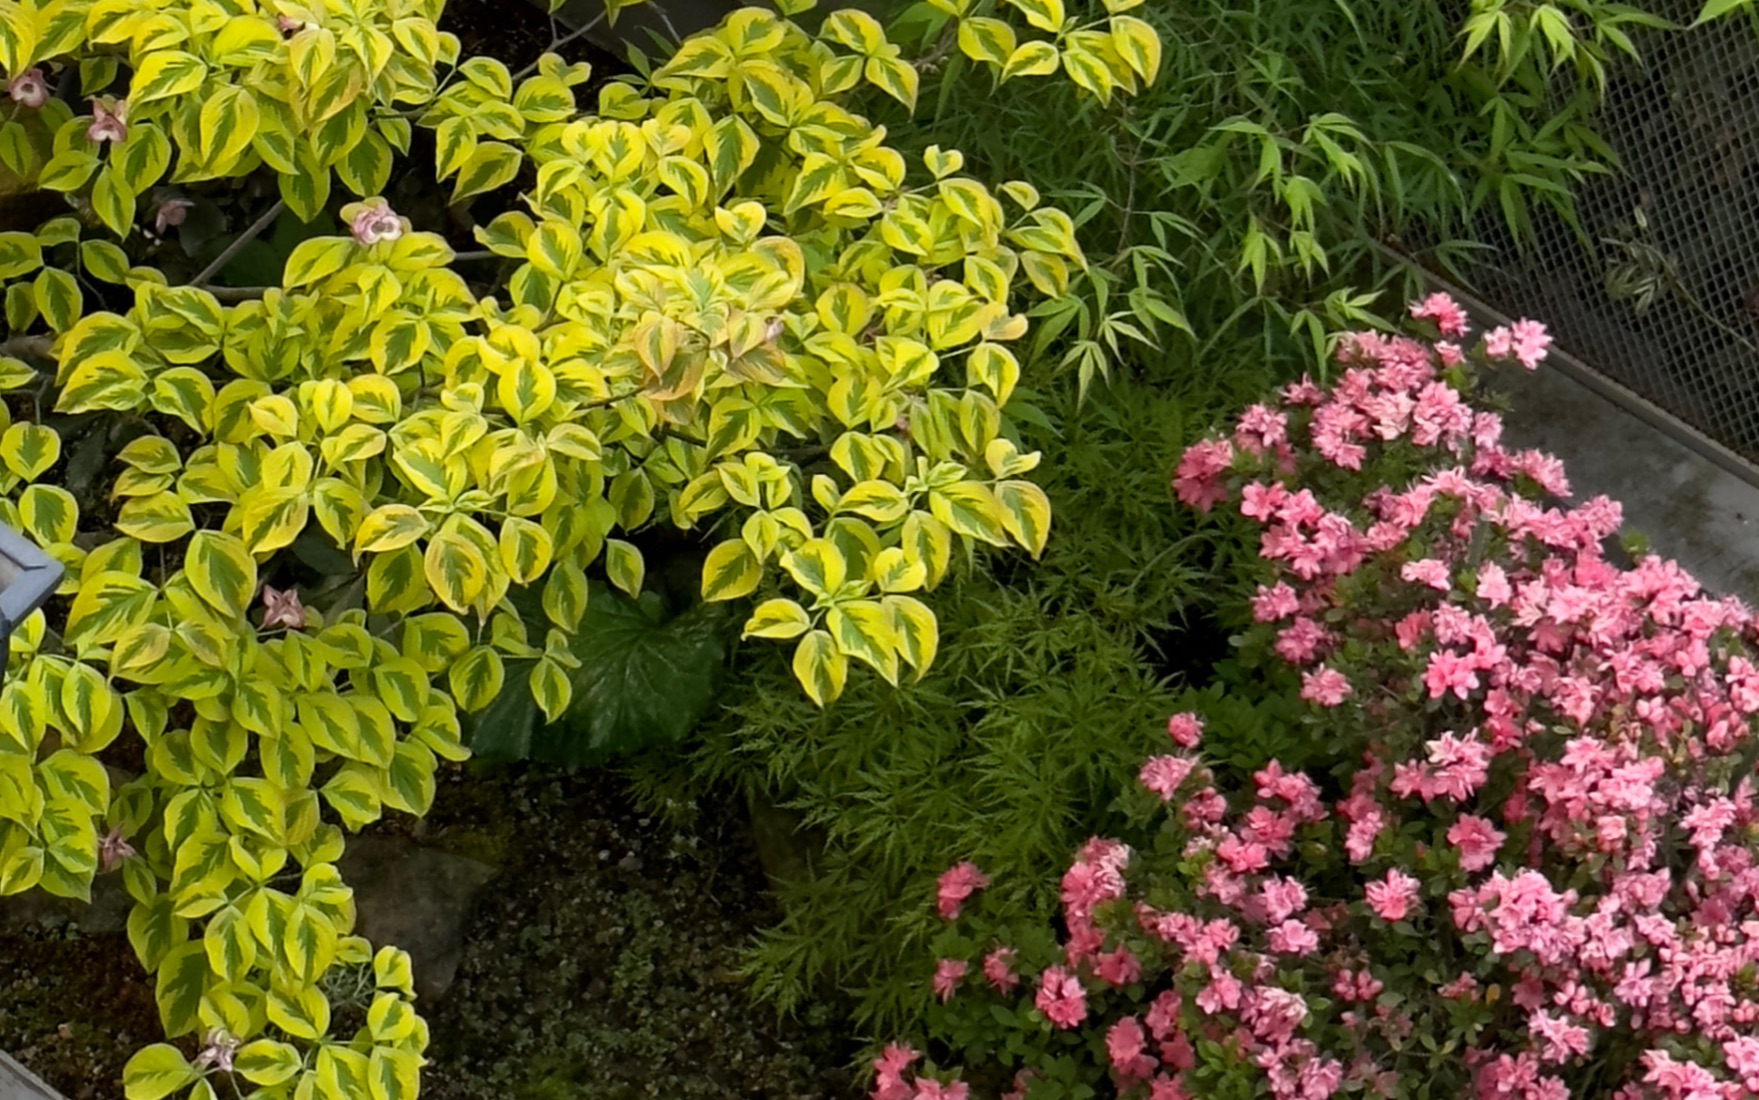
x,y
645,678
820,667
730,572
155,1072
221,571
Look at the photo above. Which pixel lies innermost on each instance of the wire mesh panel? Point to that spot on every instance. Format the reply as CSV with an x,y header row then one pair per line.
x,y
1659,289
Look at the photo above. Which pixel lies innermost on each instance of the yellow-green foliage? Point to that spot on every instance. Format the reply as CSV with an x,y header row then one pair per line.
x,y
719,275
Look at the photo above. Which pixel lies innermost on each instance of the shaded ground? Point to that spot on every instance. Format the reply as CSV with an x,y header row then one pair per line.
x,y
599,964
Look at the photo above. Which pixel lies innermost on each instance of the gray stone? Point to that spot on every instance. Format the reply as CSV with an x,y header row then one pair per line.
x,y
1689,508
786,847
18,1083
108,911
415,898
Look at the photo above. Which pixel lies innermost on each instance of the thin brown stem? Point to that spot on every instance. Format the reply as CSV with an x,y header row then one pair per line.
x,y
257,228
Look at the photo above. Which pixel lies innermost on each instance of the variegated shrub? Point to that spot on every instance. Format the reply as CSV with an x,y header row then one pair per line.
x,y
720,302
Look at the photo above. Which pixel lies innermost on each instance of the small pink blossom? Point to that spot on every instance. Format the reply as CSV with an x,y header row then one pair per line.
x,y
109,121
373,221
29,89
170,214
282,608
112,850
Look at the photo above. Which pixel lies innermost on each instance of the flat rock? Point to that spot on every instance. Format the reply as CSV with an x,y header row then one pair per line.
x,y
415,898
108,911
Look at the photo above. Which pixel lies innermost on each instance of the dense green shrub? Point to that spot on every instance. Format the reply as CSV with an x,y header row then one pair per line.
x,y
308,525
1046,692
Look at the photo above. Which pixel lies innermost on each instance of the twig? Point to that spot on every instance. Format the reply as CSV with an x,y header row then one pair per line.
x,y
558,43
238,293
471,257
256,230
21,346
930,62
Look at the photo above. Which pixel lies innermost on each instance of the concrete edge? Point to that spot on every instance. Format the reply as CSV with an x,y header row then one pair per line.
x,y
18,1083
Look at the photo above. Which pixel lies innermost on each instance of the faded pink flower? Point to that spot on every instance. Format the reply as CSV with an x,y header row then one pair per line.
x,y
109,121
28,89
282,609
947,973
170,214
112,850
998,970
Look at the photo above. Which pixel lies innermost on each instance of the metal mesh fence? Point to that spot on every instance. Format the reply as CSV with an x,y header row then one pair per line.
x,y
1660,290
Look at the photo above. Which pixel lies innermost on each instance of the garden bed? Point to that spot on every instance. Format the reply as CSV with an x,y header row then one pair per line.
x,y
600,962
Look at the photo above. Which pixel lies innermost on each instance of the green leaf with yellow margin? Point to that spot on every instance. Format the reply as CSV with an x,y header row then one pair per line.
x,y
221,571
730,571
820,667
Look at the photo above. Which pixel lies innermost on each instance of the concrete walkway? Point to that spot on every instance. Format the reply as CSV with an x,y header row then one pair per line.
x,y
1688,506
18,1083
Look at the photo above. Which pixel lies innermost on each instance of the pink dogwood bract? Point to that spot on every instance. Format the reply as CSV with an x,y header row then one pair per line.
x,y
1529,868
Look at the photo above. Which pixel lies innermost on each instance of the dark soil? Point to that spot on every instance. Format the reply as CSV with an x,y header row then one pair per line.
x,y
601,963
515,31
73,1007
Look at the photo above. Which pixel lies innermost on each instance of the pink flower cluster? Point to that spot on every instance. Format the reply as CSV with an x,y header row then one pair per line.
x,y
1544,853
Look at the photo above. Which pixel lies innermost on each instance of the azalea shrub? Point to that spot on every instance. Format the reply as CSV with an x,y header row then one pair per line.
x,y
309,528
1528,866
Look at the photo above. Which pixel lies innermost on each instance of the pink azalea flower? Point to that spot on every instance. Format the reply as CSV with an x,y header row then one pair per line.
x,y
889,1067
947,973
1163,774
1478,842
1450,319
998,970
1393,897
1061,998
1326,686
1185,729
957,883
